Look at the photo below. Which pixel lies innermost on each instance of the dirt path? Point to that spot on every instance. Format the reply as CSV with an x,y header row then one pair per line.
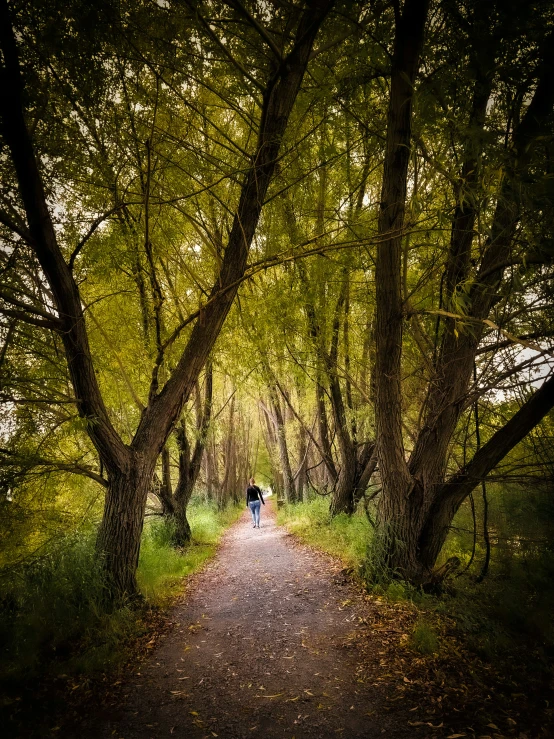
x,y
260,649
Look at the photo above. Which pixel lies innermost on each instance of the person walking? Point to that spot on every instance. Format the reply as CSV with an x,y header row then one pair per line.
x,y
254,501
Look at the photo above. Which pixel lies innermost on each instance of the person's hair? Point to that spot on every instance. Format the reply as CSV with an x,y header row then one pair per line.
x,y
252,481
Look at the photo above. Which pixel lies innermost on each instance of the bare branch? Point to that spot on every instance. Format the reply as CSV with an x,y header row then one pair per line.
x,y
236,5
17,228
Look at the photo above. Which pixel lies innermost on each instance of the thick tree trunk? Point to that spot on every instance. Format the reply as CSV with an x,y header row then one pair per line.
x,y
366,465
121,527
342,500
439,501
398,505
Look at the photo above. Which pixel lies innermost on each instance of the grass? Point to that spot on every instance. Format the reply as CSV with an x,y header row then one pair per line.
x,y
424,638
52,614
343,536
161,567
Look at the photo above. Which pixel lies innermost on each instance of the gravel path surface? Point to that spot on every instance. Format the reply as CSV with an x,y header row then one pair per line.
x,y
262,647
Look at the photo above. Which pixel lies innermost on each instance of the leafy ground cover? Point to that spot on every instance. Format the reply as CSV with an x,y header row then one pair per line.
x,y
482,650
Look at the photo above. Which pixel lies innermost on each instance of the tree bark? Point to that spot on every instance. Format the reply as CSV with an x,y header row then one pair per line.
x,y
165,492
397,505
120,532
190,464
343,495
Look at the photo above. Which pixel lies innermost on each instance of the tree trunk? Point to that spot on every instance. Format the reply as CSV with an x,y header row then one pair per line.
x,y
435,501
457,488
190,464
301,478
398,506
281,436
270,437
120,531
164,407
164,493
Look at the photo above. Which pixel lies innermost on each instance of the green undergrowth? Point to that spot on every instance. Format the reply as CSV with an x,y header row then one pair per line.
x,y
343,536
161,567
52,614
509,613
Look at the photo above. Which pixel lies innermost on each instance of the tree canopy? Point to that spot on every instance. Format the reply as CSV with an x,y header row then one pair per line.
x,y
309,239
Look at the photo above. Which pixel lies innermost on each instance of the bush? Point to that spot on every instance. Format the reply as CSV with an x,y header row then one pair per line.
x,y
424,638
54,602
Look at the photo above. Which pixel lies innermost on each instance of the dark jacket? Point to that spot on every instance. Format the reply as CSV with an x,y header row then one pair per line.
x,y
253,493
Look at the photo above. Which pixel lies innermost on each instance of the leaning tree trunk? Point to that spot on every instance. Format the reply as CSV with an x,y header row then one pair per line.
x,y
415,516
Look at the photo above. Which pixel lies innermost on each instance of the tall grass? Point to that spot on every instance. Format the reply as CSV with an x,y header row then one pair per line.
x,y
343,536
161,567
53,616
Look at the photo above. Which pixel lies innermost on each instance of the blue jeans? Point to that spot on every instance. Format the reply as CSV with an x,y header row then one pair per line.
x,y
255,511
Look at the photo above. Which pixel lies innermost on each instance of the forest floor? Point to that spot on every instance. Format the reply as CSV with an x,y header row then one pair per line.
x,y
273,639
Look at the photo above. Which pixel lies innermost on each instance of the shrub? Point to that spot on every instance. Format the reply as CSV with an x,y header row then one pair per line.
x,y
53,614
424,638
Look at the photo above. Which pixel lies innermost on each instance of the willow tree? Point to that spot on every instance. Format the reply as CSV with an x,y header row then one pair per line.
x,y
420,491
281,54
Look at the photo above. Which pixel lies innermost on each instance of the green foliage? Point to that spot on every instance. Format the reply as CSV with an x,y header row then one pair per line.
x,y
512,609
424,638
53,602
344,536
509,612
162,567
53,615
